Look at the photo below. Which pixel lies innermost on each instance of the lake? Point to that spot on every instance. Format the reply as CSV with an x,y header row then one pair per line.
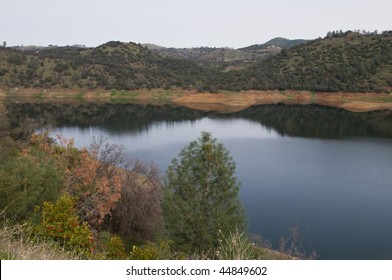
x,y
326,170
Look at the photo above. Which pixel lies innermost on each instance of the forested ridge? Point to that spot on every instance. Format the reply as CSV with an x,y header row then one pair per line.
x,y
342,61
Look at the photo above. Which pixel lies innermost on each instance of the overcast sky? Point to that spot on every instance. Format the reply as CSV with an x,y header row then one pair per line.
x,y
183,23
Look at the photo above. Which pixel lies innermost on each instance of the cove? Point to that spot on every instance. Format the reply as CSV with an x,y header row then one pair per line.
x,y
324,169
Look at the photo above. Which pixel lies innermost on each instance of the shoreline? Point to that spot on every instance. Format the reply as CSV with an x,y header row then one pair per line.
x,y
225,102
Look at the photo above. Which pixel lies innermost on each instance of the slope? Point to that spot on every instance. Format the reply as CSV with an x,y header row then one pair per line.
x,y
351,62
113,65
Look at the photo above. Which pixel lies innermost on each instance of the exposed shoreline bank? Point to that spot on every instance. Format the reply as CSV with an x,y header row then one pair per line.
x,y
220,102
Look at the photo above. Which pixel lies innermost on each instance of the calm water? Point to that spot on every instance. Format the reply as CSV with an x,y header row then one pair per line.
x,y
328,171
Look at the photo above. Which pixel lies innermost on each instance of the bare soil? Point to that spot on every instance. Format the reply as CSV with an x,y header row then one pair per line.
x,y
221,102
356,102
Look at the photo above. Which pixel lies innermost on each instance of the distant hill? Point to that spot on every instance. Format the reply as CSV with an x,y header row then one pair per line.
x,y
227,55
247,54
280,42
342,61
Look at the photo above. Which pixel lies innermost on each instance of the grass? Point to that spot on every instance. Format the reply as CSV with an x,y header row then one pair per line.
x,y
383,99
17,243
163,96
236,247
80,95
41,95
123,94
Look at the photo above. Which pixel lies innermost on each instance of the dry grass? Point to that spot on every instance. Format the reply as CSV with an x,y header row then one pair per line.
x,y
235,247
17,243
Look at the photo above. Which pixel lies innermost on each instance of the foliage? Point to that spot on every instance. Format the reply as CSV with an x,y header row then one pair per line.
x,y
114,193
351,62
59,222
115,249
152,251
201,196
98,188
26,181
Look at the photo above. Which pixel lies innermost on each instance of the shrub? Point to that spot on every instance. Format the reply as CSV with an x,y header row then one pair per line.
x,y
96,180
153,251
115,249
60,223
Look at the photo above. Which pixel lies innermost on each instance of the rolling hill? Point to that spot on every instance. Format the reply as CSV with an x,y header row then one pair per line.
x,y
113,65
349,62
279,42
228,55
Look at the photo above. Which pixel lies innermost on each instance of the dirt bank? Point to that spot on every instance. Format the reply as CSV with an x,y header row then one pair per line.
x,y
230,102
2,94
221,102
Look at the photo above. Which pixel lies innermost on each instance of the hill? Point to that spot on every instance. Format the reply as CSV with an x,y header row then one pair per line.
x,y
113,65
224,58
281,43
227,55
348,62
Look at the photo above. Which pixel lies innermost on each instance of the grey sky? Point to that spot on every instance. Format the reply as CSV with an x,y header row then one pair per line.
x,y
183,23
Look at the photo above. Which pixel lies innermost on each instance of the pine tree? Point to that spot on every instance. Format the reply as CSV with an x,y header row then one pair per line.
x,y
201,196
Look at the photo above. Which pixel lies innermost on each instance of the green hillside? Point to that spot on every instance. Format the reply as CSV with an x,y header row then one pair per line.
x,y
349,62
344,62
113,65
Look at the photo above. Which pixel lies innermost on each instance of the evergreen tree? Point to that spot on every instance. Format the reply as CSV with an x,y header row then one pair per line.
x,y
201,196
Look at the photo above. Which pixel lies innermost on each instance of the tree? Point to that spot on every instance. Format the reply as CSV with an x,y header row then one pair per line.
x,y
201,196
26,181
139,210
96,181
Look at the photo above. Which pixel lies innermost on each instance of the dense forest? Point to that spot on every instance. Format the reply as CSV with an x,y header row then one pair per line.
x,y
342,61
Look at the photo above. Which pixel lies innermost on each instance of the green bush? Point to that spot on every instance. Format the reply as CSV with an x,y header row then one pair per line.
x,y
59,222
153,251
115,249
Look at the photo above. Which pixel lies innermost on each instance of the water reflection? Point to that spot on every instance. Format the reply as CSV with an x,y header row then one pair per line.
x,y
291,120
